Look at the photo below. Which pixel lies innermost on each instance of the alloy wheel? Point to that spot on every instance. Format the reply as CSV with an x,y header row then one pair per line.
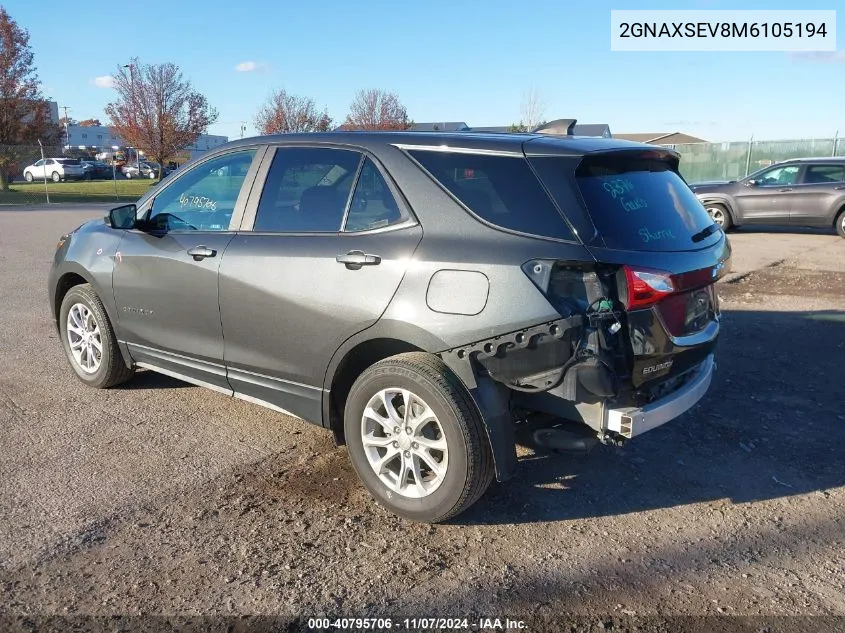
x,y
404,443
83,336
717,215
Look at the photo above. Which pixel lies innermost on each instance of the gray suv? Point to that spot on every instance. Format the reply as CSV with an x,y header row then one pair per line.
x,y
796,192
418,294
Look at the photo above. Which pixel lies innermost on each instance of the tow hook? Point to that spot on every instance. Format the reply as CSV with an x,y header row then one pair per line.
x,y
612,438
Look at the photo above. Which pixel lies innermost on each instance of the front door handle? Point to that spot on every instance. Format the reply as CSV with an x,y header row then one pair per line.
x,y
786,189
356,259
839,188
201,252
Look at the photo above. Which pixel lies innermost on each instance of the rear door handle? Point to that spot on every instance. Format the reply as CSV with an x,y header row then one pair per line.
x,y
201,252
356,259
786,189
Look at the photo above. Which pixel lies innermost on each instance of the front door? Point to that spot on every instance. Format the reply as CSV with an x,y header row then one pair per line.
x,y
165,274
769,199
321,256
815,195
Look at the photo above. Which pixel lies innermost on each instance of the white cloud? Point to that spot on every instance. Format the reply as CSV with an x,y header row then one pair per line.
x,y
104,81
831,57
246,67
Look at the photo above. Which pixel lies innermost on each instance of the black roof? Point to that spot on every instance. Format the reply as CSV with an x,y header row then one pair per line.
x,y
540,143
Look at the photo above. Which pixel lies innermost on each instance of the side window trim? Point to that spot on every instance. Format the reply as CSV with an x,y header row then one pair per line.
x,y
352,191
240,203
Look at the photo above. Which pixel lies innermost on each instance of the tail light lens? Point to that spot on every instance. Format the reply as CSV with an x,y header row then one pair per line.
x,y
646,287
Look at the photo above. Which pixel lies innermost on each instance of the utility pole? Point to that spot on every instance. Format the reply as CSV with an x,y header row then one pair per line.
x,y
67,131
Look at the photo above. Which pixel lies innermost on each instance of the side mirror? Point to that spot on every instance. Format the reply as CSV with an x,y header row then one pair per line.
x,y
123,217
752,182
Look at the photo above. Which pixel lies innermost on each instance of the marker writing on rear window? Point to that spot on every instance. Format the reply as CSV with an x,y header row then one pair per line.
x,y
648,236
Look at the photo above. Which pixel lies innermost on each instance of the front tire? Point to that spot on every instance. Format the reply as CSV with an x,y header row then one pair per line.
x,y
89,341
839,223
28,176
416,438
720,215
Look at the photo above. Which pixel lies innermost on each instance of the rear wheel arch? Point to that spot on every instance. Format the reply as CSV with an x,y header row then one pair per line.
x,y
725,203
346,371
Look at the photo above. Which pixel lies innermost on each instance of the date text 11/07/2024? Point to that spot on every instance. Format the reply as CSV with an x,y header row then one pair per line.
x,y
414,624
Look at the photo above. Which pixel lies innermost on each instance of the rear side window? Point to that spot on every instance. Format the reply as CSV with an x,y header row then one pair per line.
x,y
373,206
307,190
501,190
641,204
822,174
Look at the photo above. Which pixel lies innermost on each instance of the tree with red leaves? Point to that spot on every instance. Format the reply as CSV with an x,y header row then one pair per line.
x,y
157,110
24,112
376,110
285,113
90,123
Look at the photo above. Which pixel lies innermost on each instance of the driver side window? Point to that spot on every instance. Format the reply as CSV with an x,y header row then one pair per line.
x,y
204,198
780,176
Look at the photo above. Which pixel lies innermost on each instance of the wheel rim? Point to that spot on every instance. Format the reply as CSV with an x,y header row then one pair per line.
x,y
404,443
83,336
842,224
56,178
717,215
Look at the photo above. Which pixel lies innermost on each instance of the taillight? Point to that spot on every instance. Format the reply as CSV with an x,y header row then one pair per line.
x,y
646,286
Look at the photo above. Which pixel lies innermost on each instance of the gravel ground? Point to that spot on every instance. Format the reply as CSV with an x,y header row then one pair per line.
x,y
163,499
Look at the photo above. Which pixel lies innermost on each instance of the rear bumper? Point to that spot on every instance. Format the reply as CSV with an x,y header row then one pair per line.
x,y
632,421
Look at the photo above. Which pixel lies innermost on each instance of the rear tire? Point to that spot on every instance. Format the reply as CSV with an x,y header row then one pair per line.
x,y
720,215
82,309
840,223
56,176
440,463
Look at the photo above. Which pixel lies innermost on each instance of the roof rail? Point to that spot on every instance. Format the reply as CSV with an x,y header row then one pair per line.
x,y
559,127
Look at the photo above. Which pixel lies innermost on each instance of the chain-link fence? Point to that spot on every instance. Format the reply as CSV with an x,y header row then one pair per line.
x,y
729,161
100,183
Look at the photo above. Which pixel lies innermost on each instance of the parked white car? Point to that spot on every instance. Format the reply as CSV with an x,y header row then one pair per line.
x,y
56,169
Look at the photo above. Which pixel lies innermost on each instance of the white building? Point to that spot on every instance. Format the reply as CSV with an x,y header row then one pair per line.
x,y
101,137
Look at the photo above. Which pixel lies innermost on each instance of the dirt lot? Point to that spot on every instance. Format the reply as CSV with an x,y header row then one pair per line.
x,y
161,498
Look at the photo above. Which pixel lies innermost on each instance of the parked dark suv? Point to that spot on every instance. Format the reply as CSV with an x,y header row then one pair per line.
x,y
416,293
797,192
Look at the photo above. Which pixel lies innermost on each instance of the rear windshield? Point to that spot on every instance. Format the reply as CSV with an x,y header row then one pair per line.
x,y
68,161
642,204
501,190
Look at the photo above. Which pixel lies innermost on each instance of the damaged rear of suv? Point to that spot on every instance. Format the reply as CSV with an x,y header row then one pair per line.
x,y
583,297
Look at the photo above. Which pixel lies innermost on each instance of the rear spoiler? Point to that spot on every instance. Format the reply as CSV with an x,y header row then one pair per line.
x,y
558,127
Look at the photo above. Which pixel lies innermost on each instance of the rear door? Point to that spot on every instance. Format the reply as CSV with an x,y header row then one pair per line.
x,y
324,244
814,197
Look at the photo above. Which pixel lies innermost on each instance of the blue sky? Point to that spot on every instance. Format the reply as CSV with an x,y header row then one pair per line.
x,y
447,61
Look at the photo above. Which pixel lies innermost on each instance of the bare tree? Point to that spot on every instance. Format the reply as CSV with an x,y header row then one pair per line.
x,y
24,113
533,109
157,110
376,109
284,113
